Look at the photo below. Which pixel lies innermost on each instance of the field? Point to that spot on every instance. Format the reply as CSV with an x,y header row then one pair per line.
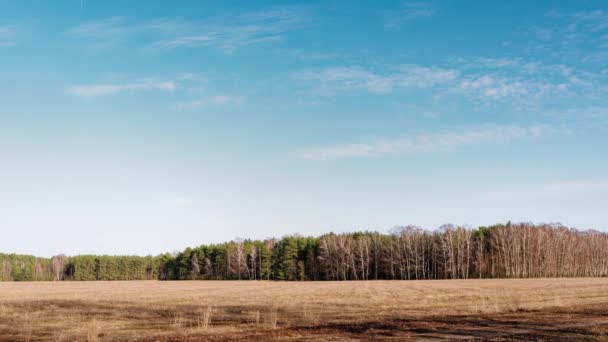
x,y
546,309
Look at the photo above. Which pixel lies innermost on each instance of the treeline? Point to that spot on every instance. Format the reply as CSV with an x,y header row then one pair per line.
x,y
24,268
15,267
451,252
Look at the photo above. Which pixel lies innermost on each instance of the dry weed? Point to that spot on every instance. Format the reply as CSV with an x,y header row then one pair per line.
x,y
204,318
273,316
93,330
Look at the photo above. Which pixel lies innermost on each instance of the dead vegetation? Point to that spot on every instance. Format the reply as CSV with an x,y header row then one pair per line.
x,y
548,309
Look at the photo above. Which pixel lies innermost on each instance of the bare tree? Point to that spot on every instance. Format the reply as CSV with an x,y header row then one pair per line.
x,y
58,263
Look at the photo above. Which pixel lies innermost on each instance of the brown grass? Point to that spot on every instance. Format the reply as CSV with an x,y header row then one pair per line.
x,y
547,309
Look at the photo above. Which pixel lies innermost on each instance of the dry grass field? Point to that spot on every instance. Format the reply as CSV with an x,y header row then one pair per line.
x,y
537,309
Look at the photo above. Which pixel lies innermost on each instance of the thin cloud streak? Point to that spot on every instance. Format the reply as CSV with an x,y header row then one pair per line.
x,y
408,12
103,89
483,81
230,33
432,142
225,33
210,101
517,81
338,79
571,35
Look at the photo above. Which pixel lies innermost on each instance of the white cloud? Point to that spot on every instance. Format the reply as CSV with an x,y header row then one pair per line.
x,y
544,34
568,35
345,78
108,27
217,100
423,77
489,86
593,21
101,89
193,77
227,33
431,142
338,79
517,82
409,11
103,34
549,190
8,35
231,33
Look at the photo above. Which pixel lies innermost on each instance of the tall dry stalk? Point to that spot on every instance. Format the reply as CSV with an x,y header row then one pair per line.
x,y
204,319
273,316
93,331
27,328
256,317
177,319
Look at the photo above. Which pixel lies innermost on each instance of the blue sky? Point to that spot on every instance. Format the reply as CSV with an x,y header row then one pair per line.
x,y
133,128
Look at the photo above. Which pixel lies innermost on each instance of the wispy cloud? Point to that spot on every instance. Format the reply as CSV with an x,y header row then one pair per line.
x,y
570,35
346,78
549,190
8,35
332,80
104,33
431,142
542,33
492,87
196,77
226,33
409,11
210,101
517,82
102,89
593,21
232,32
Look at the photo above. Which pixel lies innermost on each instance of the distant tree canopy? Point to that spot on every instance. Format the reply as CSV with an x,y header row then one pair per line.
x,y
500,251
81,267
